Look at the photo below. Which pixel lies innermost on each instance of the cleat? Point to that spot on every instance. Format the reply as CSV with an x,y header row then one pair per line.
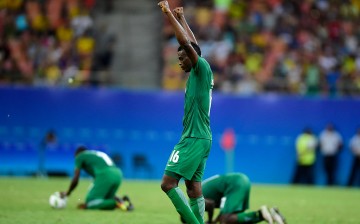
x,y
277,216
265,213
121,205
127,200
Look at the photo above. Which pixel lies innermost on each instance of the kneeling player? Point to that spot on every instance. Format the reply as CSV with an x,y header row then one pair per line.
x,y
231,193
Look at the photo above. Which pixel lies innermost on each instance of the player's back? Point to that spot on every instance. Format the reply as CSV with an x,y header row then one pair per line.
x,y
93,162
218,186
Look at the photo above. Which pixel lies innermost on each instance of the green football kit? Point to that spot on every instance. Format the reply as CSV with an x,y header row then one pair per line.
x,y
107,178
233,190
231,193
188,158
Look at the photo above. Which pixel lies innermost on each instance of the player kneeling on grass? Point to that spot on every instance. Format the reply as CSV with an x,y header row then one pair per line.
x,y
107,180
231,193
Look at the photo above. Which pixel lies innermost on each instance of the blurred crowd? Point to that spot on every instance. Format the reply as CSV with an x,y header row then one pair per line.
x,y
308,47
48,42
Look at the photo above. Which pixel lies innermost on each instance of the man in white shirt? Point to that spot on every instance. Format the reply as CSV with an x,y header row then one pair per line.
x,y
355,149
330,145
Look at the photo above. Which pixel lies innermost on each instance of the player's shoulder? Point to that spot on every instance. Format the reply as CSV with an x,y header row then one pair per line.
x,y
202,61
202,65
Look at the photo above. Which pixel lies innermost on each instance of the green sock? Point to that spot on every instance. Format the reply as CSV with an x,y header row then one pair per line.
x,y
249,217
198,207
177,197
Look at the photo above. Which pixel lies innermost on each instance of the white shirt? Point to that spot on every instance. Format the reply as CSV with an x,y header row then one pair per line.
x,y
355,145
330,142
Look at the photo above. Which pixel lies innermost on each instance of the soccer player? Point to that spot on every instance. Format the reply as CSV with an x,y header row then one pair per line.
x,y
231,193
189,156
107,180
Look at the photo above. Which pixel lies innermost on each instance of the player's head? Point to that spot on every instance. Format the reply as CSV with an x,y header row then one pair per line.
x,y
307,130
184,60
80,149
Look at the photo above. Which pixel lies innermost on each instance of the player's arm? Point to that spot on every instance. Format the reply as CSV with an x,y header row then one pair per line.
x,y
179,14
210,207
180,33
74,181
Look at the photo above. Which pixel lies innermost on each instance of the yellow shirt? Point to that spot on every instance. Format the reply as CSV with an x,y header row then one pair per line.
x,y
85,45
305,148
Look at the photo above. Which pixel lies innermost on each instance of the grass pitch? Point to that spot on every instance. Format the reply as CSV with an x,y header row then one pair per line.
x,y
25,200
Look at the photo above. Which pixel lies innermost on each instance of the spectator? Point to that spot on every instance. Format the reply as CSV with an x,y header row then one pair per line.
x,y
49,142
299,47
306,156
330,145
39,40
355,149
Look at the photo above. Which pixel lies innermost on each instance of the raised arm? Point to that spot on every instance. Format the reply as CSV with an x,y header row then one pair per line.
x,y
179,14
180,33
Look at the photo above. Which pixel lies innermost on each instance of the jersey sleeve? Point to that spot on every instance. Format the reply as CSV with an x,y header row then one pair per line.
x,y
78,162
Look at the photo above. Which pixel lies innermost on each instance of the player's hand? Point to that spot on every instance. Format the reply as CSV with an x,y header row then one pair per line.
x,y
63,194
179,12
164,5
81,206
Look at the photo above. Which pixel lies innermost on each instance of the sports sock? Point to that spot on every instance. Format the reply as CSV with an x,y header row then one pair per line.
x,y
198,207
177,197
249,217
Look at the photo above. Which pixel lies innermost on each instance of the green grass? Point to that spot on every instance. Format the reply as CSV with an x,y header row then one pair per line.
x,y
25,200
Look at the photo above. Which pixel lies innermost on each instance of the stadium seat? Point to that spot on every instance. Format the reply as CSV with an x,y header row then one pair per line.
x,y
141,167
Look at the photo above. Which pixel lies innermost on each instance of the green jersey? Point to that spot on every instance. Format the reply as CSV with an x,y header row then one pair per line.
x,y
93,162
196,120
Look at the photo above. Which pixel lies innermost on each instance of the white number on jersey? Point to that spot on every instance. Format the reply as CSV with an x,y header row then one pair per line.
x,y
174,156
210,94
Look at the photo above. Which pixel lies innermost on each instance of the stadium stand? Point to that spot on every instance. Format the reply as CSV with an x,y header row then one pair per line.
x,y
283,46
49,43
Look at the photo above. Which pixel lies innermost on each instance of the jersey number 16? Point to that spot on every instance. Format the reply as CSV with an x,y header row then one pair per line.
x,y
174,157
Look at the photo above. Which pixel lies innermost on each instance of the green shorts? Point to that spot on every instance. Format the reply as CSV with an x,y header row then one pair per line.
x,y
188,159
105,185
236,198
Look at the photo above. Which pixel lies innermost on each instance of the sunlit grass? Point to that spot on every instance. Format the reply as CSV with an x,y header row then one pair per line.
x,y
25,200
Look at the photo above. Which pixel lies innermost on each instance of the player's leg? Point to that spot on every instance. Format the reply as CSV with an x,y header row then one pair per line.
x,y
179,166
198,153
96,199
169,185
196,198
115,177
102,193
236,202
247,217
277,216
237,218
123,203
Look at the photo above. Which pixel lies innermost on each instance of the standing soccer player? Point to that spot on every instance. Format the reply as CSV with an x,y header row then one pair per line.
x,y
189,156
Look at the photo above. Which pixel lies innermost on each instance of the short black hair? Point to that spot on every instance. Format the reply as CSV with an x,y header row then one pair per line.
x,y
80,149
194,45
